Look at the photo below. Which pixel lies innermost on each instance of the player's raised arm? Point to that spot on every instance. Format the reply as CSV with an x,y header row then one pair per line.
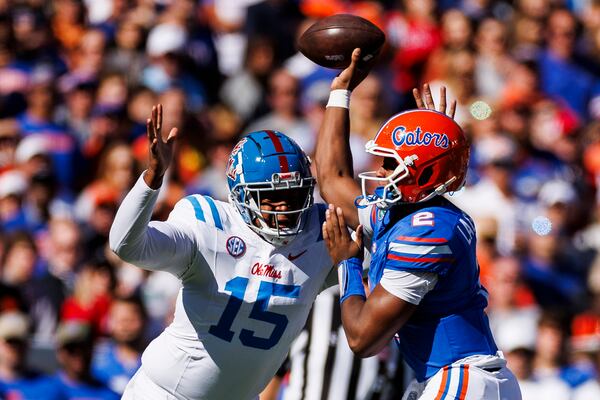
x,y
152,245
333,158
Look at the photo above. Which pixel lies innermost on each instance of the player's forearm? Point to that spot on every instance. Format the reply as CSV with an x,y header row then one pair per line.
x,y
153,178
333,157
153,245
333,160
129,230
372,323
356,327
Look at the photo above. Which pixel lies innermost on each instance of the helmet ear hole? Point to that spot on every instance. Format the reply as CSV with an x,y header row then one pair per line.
x,y
425,176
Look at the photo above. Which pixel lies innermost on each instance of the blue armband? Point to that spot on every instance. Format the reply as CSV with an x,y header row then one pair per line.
x,y
350,278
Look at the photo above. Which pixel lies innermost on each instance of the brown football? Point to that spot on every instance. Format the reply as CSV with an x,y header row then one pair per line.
x,y
330,41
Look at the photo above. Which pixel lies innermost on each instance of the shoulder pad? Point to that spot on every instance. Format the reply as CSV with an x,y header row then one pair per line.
x,y
429,225
421,241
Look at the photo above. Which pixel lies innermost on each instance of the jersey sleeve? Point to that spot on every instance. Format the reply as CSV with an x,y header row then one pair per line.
x,y
423,243
408,286
166,246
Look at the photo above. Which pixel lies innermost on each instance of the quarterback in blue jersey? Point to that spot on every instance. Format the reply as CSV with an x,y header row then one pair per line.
x,y
424,277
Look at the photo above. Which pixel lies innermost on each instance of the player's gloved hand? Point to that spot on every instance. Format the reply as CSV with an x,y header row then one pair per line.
x,y
356,72
161,150
337,238
429,104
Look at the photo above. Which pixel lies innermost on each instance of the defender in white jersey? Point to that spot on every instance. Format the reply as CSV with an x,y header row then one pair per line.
x,y
250,269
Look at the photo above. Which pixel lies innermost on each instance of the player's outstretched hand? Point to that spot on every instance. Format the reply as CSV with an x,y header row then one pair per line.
x,y
429,104
337,239
354,74
161,149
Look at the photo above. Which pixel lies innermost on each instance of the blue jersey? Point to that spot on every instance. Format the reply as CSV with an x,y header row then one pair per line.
x,y
435,237
110,370
92,390
30,386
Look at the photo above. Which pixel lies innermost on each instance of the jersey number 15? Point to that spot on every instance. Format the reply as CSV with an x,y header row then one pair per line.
x,y
237,286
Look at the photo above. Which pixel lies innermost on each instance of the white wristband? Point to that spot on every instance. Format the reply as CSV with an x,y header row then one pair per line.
x,y
339,98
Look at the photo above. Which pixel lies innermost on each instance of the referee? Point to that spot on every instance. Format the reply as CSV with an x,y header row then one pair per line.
x,y
321,365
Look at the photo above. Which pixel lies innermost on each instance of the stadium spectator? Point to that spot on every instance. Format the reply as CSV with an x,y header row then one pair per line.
x,y
165,46
409,20
551,272
18,263
259,22
586,345
12,188
283,98
244,91
68,25
61,253
38,120
9,138
511,302
116,170
116,359
92,295
127,58
520,360
493,196
457,34
493,62
550,361
17,381
559,61
365,119
74,353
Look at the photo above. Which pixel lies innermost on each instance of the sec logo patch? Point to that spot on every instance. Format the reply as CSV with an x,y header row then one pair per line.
x,y
236,246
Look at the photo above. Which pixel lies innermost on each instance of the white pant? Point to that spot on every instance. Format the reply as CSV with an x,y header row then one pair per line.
x,y
141,387
472,378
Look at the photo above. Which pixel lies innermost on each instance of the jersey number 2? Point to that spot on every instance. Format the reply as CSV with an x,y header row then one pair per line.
x,y
237,287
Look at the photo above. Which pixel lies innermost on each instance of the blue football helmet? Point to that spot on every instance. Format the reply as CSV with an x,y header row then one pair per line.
x,y
268,164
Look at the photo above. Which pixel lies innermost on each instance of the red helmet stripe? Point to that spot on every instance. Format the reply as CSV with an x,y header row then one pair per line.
x,y
283,162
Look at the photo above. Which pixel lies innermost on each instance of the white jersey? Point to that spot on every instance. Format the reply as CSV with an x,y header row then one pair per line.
x,y
243,300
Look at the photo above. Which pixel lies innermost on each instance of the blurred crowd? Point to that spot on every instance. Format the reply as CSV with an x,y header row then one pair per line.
x,y
78,79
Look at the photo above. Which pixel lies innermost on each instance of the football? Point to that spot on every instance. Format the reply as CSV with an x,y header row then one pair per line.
x,y
330,41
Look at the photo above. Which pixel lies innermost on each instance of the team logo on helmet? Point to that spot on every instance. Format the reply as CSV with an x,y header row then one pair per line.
x,y
232,169
236,246
238,146
401,136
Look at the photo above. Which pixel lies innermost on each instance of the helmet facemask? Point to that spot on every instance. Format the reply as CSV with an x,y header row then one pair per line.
x,y
388,192
295,189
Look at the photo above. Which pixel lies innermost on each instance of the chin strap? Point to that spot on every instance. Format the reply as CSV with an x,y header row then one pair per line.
x,y
440,190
